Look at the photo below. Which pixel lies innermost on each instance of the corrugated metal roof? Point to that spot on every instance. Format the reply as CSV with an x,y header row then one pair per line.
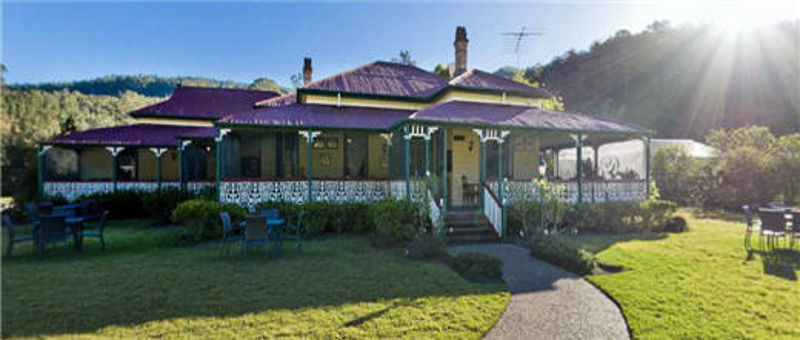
x,y
482,80
519,116
384,78
134,135
204,103
319,116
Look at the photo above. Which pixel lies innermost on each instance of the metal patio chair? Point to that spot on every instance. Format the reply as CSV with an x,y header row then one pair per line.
x,y
96,229
255,232
773,226
51,229
229,233
14,236
750,216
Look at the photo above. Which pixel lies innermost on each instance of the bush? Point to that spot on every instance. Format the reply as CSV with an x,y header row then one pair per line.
x,y
426,247
122,203
610,217
675,225
395,221
201,217
323,217
477,267
553,249
159,204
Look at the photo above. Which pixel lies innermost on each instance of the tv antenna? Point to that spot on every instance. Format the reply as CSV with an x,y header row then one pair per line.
x,y
516,40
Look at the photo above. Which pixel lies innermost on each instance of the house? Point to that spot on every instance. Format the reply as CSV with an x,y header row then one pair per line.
x,y
376,131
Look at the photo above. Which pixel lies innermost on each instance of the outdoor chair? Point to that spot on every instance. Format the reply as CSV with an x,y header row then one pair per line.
x,y
50,230
13,236
795,225
270,213
773,226
31,212
256,232
748,214
90,209
229,232
95,229
295,234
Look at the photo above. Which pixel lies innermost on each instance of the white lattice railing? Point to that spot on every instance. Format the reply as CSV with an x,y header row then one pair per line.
x,y
493,210
72,190
435,213
525,190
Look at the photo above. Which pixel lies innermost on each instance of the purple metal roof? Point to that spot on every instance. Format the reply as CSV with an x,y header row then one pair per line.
x,y
319,116
483,80
286,99
384,78
134,135
519,116
204,103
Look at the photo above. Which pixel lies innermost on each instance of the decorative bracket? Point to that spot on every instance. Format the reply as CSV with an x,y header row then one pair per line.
x,y
492,134
313,135
115,150
429,133
388,138
184,144
421,131
158,151
44,149
222,133
578,138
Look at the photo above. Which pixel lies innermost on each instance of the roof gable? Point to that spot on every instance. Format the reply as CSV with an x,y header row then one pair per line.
x,y
478,79
383,79
204,103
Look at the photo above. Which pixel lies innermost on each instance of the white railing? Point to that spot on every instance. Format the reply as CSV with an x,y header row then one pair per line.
x,y
435,214
493,210
593,191
72,190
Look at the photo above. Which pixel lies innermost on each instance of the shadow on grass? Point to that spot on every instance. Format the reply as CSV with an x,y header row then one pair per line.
x,y
782,263
141,278
597,242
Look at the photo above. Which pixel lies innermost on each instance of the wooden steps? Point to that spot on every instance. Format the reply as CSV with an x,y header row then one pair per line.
x,y
468,227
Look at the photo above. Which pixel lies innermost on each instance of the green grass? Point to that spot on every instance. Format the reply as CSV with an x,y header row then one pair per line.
x,y
700,284
142,286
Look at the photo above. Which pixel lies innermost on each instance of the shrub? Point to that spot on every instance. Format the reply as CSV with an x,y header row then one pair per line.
x,y
160,203
477,267
553,249
675,225
394,221
201,217
426,247
323,217
122,203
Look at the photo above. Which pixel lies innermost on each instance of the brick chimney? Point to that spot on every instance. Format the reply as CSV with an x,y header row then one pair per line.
x,y
307,71
461,51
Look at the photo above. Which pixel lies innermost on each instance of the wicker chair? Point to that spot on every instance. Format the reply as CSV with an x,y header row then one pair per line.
x,y
13,234
255,233
50,230
773,225
96,229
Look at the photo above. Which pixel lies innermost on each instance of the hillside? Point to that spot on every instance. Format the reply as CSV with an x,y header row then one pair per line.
x,y
147,85
682,82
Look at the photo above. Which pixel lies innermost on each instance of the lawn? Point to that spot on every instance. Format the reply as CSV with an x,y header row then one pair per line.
x,y
700,284
143,286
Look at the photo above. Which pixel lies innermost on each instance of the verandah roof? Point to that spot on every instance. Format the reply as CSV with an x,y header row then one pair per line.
x,y
204,103
134,135
319,116
511,116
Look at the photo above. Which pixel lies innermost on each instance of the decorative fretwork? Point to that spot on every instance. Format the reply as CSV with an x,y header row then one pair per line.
x,y
72,190
592,191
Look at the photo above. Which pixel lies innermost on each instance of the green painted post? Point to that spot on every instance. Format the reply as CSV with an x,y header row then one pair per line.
x,y
218,146
579,161
500,188
428,155
481,167
158,167
41,167
444,169
408,162
647,166
310,140
180,164
114,169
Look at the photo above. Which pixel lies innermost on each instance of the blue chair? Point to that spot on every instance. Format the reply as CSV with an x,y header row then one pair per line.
x,y
295,233
255,232
229,232
13,236
95,229
50,230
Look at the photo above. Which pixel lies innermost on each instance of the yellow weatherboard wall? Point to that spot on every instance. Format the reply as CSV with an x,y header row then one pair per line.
x,y
362,102
377,155
147,165
491,98
96,164
172,121
465,162
450,95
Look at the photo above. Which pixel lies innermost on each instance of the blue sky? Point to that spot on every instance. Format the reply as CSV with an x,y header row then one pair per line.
x,y
65,41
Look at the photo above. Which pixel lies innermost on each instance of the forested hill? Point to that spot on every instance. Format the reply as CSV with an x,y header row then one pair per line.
x,y
684,81
147,85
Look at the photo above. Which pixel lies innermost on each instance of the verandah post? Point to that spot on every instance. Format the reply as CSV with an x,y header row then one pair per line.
x,y
181,146
407,138
444,169
579,164
500,187
310,135
481,167
428,152
219,145
42,164
158,152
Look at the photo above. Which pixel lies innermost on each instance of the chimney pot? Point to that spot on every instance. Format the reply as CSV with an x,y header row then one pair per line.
x,y
307,71
461,51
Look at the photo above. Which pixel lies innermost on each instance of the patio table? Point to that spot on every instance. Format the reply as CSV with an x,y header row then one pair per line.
x,y
76,227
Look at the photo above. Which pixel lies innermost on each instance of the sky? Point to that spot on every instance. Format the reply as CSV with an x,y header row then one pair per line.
x,y
241,41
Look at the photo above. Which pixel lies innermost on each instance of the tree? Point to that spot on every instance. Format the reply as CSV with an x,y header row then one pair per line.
x,y
404,57
297,80
441,70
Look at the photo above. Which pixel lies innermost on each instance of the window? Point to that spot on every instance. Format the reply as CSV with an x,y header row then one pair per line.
x,y
355,155
126,165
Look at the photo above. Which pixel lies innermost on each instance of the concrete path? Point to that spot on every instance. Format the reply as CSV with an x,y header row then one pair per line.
x,y
548,302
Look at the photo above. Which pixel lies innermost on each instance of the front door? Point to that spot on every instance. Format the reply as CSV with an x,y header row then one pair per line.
x,y
464,169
